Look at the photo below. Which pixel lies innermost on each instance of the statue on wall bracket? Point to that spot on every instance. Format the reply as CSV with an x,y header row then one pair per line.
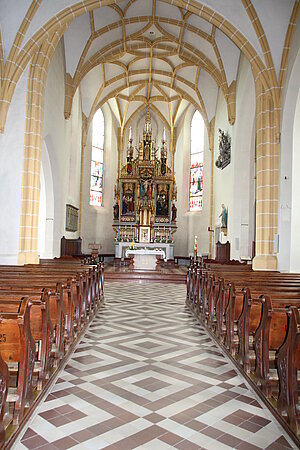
x,y
224,157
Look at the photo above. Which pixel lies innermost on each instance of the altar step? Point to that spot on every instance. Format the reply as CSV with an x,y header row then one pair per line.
x,y
175,275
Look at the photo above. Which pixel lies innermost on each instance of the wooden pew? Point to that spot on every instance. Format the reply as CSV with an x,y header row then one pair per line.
x,y
288,366
64,296
248,312
4,381
235,307
17,346
41,330
268,338
56,307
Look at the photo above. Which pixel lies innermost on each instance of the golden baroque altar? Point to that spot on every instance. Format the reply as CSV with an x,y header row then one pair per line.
x,y
145,193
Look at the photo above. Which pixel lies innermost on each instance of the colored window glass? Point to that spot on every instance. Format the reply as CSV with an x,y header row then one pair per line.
x,y
96,188
196,166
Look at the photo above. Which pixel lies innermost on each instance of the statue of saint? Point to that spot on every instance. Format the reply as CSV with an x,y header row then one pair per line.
x,y
142,188
224,216
116,211
149,190
147,151
174,212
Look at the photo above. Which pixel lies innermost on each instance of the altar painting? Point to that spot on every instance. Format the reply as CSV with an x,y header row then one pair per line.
x,y
128,199
162,200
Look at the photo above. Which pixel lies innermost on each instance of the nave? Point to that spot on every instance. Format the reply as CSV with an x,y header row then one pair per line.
x,y
146,375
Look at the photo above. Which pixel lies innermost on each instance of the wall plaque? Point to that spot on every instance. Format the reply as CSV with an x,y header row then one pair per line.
x,y
71,218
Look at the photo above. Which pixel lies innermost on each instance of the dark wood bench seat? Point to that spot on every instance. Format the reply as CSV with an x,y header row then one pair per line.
x,y
17,349
41,329
288,367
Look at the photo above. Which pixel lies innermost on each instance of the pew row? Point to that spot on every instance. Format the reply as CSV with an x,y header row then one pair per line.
x,y
44,309
255,317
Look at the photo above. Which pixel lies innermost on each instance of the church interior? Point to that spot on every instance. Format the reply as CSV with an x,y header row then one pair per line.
x,y
149,249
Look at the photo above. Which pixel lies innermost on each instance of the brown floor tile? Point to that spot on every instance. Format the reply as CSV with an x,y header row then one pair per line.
x,y
250,426
114,422
65,409
48,446
59,421
212,432
98,429
187,445
34,442
127,417
64,443
229,440
245,399
196,425
181,418
260,420
50,414
28,434
81,436
243,414
154,417
247,446
234,420
77,381
170,438
282,441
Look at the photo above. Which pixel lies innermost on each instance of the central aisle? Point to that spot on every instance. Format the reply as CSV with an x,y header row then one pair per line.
x,y
146,375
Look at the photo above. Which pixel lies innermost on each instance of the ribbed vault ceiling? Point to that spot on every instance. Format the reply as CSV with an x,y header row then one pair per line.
x,y
133,53
137,53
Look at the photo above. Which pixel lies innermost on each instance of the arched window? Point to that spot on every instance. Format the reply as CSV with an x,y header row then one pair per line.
x,y
196,166
97,160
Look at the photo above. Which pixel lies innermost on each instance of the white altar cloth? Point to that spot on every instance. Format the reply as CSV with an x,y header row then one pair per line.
x,y
145,259
121,247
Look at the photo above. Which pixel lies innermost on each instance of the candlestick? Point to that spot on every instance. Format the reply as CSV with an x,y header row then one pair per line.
x,y
195,248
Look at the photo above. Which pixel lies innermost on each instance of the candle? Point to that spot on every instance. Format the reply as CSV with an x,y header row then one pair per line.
x,y
130,133
164,134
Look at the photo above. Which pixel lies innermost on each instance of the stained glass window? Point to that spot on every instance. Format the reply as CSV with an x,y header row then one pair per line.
x,y
196,166
96,189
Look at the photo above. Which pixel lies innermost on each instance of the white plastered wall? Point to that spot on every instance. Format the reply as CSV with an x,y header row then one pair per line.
x,y
234,185
289,181
62,139
11,163
97,221
190,224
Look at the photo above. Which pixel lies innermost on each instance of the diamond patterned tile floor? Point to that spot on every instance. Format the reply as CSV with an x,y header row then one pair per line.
x,y
146,375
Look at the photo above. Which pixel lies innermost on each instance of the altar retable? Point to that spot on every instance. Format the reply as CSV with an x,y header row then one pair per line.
x,y
145,196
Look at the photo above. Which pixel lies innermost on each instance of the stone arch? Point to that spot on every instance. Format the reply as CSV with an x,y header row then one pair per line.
x,y
268,112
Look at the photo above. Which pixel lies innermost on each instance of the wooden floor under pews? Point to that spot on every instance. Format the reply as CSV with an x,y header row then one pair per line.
x,y
46,309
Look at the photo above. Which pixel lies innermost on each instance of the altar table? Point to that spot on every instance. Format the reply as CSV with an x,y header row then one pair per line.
x,y
121,247
145,259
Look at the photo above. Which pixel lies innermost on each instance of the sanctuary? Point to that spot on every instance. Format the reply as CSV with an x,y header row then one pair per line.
x,y
145,196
